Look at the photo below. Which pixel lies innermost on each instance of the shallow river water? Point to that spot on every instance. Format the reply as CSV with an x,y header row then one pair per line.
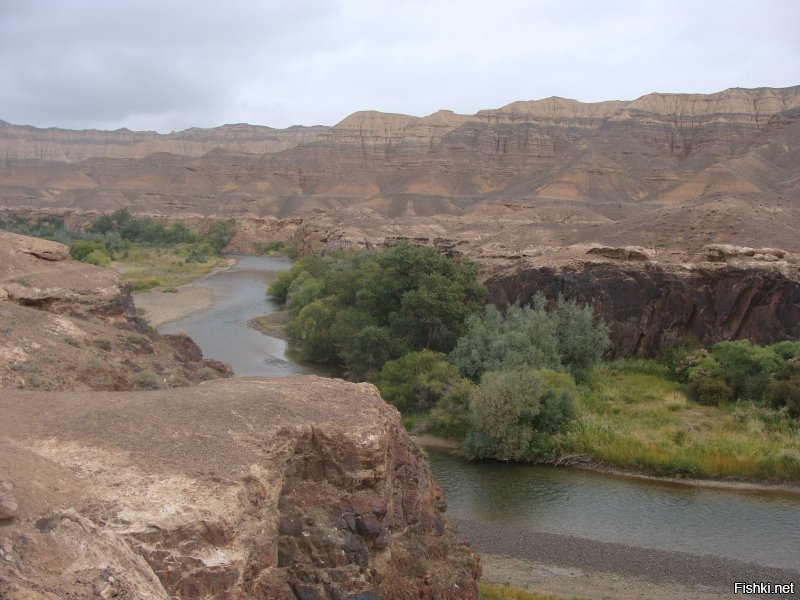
x,y
756,527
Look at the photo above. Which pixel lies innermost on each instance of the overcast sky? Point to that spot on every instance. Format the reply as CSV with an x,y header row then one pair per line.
x,y
171,64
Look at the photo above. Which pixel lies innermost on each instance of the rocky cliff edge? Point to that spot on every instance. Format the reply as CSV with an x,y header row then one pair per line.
x,y
290,488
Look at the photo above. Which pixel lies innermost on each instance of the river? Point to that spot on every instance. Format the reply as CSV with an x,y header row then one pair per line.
x,y
758,527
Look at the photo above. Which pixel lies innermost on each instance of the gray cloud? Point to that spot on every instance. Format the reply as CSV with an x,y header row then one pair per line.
x,y
152,64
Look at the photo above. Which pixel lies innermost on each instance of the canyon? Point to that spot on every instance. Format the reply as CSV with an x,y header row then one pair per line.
x,y
674,215
516,189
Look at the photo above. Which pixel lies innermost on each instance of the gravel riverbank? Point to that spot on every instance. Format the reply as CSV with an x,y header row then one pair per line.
x,y
567,565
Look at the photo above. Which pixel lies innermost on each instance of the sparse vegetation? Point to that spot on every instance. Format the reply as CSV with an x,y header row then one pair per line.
x,y
103,344
496,591
147,380
148,252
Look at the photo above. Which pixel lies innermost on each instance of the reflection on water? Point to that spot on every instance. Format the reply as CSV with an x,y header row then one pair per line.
x,y
222,331
757,527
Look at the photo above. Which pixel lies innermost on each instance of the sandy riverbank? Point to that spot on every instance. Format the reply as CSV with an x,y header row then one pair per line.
x,y
570,566
162,307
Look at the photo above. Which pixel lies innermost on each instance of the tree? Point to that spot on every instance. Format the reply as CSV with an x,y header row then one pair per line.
x,y
511,408
416,381
531,337
404,299
581,339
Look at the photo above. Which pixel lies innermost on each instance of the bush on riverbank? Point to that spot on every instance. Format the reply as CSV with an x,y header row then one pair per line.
x,y
530,337
514,413
741,371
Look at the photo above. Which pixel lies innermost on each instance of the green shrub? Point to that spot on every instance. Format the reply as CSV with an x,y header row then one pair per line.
x,y
785,393
507,413
530,337
103,344
680,357
98,257
786,350
416,381
147,380
712,391
451,415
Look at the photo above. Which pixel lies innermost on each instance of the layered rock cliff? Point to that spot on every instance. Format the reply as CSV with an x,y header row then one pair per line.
x,y
664,170
282,489
37,146
67,325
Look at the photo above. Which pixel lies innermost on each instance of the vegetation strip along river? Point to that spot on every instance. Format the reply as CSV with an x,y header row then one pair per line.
x,y
654,530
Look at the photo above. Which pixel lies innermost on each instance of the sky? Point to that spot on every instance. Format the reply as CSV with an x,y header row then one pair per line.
x,y
166,65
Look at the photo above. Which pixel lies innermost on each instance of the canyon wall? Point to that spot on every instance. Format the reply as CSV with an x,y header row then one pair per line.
x,y
650,305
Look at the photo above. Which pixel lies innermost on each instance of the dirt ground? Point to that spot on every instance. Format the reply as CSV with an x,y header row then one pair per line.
x,y
162,307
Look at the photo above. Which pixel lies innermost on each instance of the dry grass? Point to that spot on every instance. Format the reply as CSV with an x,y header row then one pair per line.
x,y
146,268
633,417
494,591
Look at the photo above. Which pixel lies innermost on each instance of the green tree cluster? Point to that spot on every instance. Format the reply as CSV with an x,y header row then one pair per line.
x,y
507,389
112,234
365,308
143,230
740,370
531,337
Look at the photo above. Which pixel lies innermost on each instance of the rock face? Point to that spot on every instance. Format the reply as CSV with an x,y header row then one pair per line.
x,y
291,488
67,325
649,304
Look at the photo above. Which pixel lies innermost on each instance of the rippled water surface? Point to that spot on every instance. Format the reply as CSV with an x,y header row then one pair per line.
x,y
756,527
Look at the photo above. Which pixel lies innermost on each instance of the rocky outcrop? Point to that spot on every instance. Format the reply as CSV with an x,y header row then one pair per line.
x,y
650,305
67,325
282,489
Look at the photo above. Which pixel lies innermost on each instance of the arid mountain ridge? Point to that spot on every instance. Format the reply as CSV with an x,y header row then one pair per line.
x,y
554,194
665,171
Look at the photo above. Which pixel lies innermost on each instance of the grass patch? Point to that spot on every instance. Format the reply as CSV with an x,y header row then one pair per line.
x,y
166,267
631,416
495,591
273,324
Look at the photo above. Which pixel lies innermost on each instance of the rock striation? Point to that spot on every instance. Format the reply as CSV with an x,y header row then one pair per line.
x,y
283,489
25,145
661,170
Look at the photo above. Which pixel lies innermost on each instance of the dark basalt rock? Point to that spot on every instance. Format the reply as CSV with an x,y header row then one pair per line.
x,y
648,306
